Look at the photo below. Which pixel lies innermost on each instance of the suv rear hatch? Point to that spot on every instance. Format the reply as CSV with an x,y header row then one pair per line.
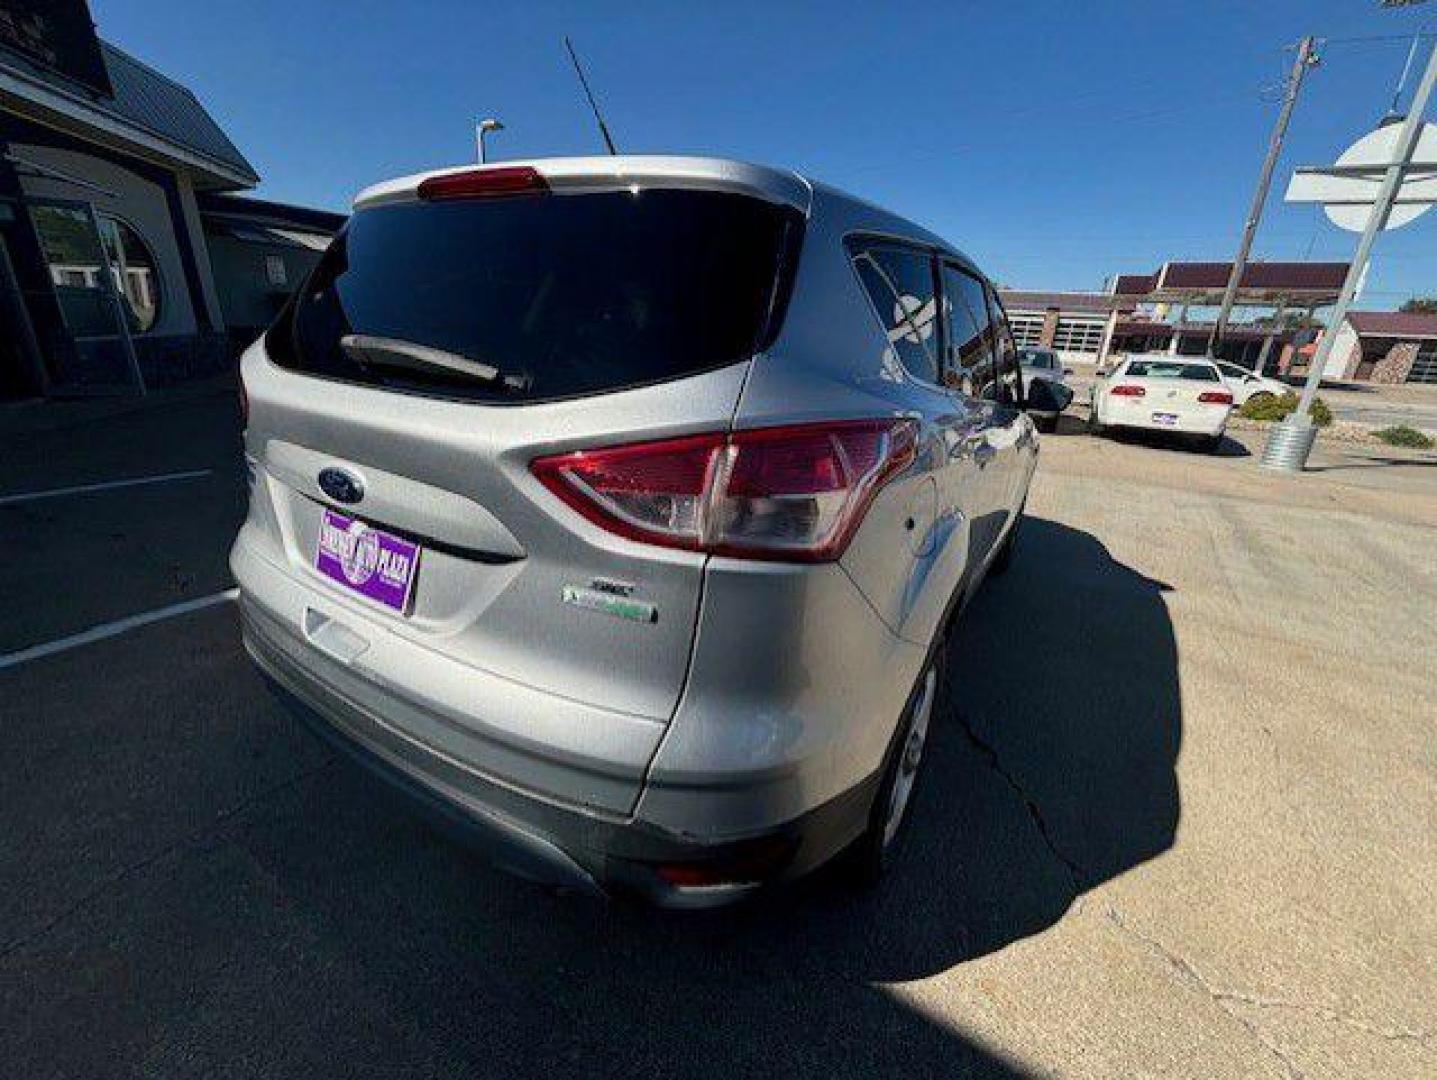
x,y
447,338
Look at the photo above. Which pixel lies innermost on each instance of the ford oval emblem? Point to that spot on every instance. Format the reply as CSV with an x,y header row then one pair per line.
x,y
341,486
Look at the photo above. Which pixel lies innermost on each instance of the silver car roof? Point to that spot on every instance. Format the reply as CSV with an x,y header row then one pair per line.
x,y
607,172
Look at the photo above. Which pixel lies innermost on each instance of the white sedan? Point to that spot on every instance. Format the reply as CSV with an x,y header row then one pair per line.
x,y
1246,384
1183,394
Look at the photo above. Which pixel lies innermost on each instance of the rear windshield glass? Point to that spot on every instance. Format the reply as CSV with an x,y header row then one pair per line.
x,y
1160,369
542,297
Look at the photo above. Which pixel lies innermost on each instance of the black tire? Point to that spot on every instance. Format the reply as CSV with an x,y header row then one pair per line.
x,y
1046,424
872,854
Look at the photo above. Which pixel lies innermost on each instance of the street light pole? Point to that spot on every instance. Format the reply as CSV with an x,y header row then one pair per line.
x,y
1292,440
485,126
1305,60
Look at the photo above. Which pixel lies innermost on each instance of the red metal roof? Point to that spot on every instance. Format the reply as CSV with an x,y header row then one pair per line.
x,y
1097,303
1134,284
1268,276
1394,324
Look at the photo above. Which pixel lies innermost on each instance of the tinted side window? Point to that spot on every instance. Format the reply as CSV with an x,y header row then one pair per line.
x,y
968,359
1005,350
900,285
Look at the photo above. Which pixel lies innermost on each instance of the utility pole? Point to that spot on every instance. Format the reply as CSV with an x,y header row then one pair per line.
x,y
1306,58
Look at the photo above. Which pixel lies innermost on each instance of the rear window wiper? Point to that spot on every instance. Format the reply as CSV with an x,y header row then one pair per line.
x,y
398,353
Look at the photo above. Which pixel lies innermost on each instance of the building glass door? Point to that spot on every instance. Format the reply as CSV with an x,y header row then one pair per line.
x,y
94,353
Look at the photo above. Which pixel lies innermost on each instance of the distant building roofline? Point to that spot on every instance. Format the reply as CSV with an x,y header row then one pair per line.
x,y
1404,325
1096,303
265,211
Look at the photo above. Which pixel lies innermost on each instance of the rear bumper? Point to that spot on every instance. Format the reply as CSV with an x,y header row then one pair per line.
x,y
533,836
1141,420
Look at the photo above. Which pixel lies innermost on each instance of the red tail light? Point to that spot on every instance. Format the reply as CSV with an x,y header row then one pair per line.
x,y
1215,397
791,493
484,183
1128,390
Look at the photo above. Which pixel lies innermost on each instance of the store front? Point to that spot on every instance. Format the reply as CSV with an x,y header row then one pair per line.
x,y
106,280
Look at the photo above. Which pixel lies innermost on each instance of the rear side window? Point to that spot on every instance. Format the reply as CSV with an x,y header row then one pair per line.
x,y
968,366
1159,369
1005,353
899,283
541,297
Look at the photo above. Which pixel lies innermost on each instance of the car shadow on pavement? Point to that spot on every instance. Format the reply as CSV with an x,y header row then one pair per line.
x,y
327,933
1229,447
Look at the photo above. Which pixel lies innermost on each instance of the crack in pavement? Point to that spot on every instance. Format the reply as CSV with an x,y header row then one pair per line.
x,y
140,865
1190,976
1035,812
1222,997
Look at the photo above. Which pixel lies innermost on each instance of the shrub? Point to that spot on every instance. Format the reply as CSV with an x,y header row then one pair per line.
x,y
1404,435
1267,408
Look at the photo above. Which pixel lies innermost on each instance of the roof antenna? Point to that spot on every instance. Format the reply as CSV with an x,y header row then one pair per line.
x,y
578,70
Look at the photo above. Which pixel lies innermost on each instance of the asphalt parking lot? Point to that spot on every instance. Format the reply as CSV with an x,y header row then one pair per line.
x,y
1178,818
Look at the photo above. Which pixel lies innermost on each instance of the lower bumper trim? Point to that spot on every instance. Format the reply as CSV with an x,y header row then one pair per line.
x,y
538,840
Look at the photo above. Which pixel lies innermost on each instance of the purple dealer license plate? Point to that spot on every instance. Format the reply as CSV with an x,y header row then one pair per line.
x,y
368,560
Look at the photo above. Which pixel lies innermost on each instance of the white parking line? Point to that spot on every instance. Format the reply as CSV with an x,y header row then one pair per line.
x,y
113,629
106,485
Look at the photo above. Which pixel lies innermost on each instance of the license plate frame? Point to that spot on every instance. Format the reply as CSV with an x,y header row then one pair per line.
x,y
1165,419
367,561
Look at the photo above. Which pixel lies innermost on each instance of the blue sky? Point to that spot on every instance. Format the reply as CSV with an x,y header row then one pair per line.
x,y
1057,143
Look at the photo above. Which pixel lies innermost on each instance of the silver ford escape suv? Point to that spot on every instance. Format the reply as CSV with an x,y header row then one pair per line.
x,y
616,509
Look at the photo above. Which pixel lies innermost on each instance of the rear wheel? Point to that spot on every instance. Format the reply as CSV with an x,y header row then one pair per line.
x,y
873,852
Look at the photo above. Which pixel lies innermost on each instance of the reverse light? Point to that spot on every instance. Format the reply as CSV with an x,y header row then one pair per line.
x,y
1128,390
1215,397
795,493
484,184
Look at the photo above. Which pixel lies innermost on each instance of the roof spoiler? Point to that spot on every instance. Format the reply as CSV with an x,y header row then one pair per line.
x,y
627,172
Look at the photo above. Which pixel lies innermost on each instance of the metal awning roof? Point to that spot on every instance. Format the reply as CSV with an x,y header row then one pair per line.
x,y
1201,284
148,112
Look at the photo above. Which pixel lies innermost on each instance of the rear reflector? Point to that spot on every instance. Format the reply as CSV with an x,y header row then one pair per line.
x,y
754,862
484,183
795,493
1215,397
1128,390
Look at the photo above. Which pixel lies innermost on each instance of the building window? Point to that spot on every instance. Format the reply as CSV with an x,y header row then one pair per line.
x,y
1027,329
274,271
1424,367
1079,335
76,259
135,271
